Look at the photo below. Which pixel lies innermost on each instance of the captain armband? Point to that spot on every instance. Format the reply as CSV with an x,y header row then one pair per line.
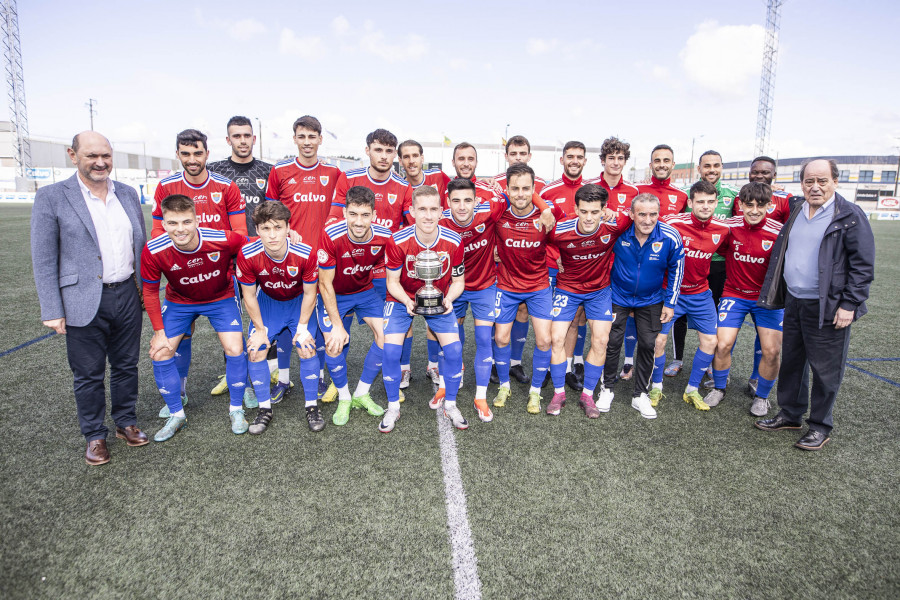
x,y
458,270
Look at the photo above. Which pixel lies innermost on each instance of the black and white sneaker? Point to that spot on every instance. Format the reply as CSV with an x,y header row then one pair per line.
x,y
314,418
262,420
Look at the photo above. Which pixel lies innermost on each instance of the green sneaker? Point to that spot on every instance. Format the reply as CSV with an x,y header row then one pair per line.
x,y
365,401
501,397
695,399
250,400
342,414
534,403
172,426
655,396
164,411
238,422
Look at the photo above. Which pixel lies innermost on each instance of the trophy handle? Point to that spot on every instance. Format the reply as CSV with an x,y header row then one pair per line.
x,y
443,270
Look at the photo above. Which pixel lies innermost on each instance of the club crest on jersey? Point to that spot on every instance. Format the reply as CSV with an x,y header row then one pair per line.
x,y
323,179
657,246
766,244
771,209
216,197
604,239
716,237
260,183
375,249
480,228
622,197
213,256
673,198
392,198
727,201
292,271
537,224
322,256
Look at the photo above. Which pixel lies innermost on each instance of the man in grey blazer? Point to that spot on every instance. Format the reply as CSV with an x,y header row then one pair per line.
x,y
87,233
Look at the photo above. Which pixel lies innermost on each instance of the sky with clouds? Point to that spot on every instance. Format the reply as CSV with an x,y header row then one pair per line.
x,y
649,72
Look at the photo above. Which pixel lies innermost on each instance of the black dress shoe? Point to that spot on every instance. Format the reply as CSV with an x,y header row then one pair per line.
x,y
518,373
573,383
494,377
813,440
578,369
776,423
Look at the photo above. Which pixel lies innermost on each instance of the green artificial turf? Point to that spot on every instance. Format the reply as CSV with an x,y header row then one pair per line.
x,y
692,504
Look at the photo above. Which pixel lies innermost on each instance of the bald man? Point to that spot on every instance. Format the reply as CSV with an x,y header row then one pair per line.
x,y
87,233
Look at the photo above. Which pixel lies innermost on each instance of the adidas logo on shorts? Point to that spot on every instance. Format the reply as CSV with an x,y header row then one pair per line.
x,y
235,322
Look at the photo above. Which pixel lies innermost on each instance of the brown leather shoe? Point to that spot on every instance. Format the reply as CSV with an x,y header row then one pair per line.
x,y
132,435
96,453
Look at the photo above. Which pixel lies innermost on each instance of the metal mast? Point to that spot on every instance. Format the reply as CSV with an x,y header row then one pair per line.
x,y
15,77
767,77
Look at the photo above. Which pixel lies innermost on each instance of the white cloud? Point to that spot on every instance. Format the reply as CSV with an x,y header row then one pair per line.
x,y
537,46
240,30
375,42
458,64
724,59
305,47
340,25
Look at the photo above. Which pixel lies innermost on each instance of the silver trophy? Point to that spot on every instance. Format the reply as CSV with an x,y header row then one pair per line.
x,y
430,267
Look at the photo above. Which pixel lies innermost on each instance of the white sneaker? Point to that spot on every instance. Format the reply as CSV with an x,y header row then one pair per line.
x,y
604,400
404,378
433,374
389,420
456,418
642,404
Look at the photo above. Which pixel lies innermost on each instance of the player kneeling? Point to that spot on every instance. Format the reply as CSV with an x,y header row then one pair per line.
x,y
350,252
402,286
197,264
285,298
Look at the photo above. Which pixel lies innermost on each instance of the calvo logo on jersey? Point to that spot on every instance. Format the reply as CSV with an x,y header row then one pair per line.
x,y
716,237
213,256
604,239
657,246
480,228
261,183
322,256
766,245
392,198
292,271
216,197
323,179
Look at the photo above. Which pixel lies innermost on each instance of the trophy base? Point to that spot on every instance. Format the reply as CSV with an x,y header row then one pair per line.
x,y
433,305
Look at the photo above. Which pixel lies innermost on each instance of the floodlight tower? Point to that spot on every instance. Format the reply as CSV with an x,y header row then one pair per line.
x,y
15,78
767,77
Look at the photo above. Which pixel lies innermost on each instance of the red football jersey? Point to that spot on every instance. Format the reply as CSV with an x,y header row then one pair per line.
x,y
436,179
279,279
197,277
355,263
521,245
620,196
586,258
701,239
671,200
779,209
478,243
746,250
307,192
393,197
562,194
401,256
215,200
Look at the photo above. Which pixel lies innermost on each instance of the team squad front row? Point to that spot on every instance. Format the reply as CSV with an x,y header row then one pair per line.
x,y
310,247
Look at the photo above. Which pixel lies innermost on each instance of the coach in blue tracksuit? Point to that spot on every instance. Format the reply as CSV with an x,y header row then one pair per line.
x,y
647,254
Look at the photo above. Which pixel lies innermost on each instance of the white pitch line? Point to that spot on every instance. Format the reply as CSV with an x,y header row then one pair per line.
x,y
465,563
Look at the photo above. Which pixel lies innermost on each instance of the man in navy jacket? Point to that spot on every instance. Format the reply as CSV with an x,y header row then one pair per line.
x,y
821,266
647,254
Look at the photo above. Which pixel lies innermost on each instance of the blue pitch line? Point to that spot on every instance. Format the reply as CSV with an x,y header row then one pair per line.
x,y
28,343
884,379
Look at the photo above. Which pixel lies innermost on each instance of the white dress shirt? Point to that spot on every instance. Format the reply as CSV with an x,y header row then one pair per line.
x,y
114,233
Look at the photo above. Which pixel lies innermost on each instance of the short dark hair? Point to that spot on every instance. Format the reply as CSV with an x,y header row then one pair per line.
x,y
463,146
662,147
574,144
177,203
460,183
613,145
425,190
75,143
835,172
767,159
591,192
382,136
517,140
703,187
519,169
756,191
308,122
410,143
708,153
191,137
361,195
238,120
271,210
645,197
